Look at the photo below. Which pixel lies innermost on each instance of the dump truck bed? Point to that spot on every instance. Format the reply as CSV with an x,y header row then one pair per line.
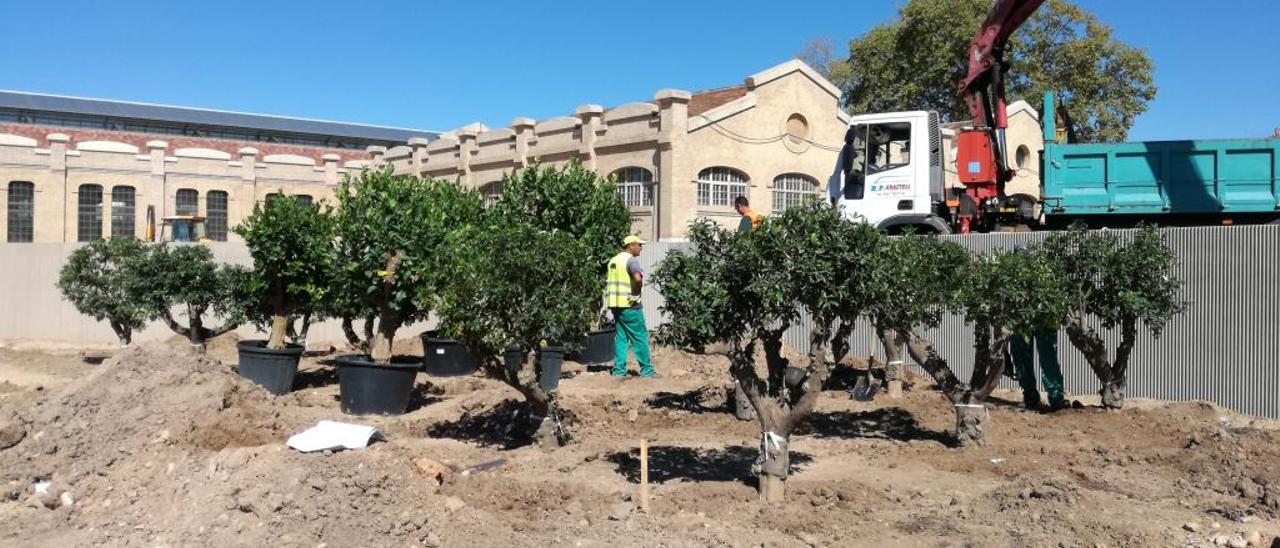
x,y
1162,177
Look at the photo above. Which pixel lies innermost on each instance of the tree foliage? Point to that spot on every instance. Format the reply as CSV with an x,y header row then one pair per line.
x,y
915,282
1119,284
916,61
744,289
187,276
390,233
515,283
532,271
570,199
96,280
293,260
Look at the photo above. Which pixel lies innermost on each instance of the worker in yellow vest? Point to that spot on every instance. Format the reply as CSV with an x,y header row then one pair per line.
x,y
624,278
750,219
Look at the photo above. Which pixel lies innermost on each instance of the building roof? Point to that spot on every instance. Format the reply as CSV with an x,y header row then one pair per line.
x,y
126,110
705,100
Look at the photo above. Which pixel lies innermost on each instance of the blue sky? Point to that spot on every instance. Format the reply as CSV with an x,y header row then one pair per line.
x,y
439,65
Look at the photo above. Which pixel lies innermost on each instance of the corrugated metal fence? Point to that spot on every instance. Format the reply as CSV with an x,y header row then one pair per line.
x,y
1225,348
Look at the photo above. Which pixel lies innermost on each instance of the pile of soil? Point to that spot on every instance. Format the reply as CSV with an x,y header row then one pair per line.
x,y
156,446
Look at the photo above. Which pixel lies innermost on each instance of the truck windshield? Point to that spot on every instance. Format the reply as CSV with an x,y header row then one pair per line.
x,y
888,147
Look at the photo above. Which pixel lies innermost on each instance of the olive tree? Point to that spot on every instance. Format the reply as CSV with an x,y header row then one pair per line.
x,y
96,280
737,289
514,284
914,284
1004,293
390,232
1118,284
293,256
531,273
187,277
823,264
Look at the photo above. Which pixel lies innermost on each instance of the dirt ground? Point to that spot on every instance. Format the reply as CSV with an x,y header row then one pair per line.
x,y
157,447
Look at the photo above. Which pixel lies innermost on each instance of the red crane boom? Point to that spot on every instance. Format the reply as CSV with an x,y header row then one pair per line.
x,y
981,152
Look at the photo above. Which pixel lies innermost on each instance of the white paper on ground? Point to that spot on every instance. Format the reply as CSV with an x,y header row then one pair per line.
x,y
331,435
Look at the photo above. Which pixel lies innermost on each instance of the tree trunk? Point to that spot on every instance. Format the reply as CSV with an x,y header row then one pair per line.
x,y
971,412
123,332
195,329
299,336
989,346
775,463
380,347
549,430
893,341
971,419
349,331
840,342
742,409
1113,388
923,354
279,324
779,408
1094,349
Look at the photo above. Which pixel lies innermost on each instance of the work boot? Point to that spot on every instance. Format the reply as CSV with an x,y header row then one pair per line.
x,y
1058,404
1032,404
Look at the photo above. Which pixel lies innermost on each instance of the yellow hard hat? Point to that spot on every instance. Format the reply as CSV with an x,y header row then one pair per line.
x,y
632,239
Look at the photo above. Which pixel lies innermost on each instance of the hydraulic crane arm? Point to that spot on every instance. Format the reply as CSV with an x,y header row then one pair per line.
x,y
981,150
983,87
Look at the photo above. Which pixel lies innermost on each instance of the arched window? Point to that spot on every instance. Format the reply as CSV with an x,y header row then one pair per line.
x,y
22,201
216,215
793,189
186,202
718,186
635,186
89,213
122,211
1021,156
491,192
304,199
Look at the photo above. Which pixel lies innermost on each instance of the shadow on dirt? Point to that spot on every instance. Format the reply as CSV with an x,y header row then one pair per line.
x,y
668,463
423,394
707,399
315,378
892,423
505,426
844,376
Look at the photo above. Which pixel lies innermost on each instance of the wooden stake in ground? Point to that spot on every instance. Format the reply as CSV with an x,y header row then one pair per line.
x,y
644,475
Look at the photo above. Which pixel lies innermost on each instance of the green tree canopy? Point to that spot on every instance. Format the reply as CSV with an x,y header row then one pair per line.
x,y
96,280
293,258
915,62
187,277
532,270
391,229
1120,282
571,199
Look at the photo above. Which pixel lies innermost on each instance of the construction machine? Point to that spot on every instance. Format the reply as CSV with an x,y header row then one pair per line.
x,y
891,171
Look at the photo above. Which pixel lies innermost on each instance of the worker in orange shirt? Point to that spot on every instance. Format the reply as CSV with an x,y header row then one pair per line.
x,y
750,219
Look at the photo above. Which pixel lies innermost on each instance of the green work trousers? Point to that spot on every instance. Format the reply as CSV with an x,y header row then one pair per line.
x,y
630,333
1045,344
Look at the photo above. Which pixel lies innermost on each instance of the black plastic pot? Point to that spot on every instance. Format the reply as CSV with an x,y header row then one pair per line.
x,y
368,388
271,369
446,357
793,376
550,360
598,350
